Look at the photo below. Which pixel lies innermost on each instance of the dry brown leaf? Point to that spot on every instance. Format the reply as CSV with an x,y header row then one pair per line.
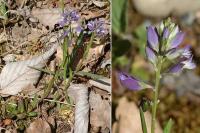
x,y
19,2
7,122
99,112
103,83
59,53
91,15
128,118
94,53
19,33
35,34
48,17
30,90
3,37
16,76
79,93
99,3
39,126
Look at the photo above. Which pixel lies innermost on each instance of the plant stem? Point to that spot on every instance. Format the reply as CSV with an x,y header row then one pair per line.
x,y
62,5
155,99
81,62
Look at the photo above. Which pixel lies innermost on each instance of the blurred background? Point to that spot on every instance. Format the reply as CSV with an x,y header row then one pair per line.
x,y
179,96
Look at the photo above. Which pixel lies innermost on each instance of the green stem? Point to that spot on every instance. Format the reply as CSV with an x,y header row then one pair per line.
x,y
79,64
62,5
155,99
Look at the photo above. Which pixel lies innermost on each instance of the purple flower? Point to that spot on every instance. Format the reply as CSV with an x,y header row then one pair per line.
x,y
163,43
129,81
70,22
166,33
185,60
173,53
177,40
78,29
176,68
66,33
68,17
189,64
101,31
186,63
74,16
152,38
62,23
91,25
179,52
150,55
187,52
98,27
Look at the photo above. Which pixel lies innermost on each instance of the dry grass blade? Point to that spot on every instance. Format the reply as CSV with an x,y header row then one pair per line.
x,y
79,93
103,83
17,75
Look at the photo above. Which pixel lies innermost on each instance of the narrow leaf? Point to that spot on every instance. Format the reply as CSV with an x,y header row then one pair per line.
x,y
168,126
144,126
119,19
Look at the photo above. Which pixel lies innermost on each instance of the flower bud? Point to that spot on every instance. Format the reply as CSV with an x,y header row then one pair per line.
x,y
176,41
186,63
150,55
131,82
152,38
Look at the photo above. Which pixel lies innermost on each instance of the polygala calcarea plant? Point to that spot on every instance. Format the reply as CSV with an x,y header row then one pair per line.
x,y
163,50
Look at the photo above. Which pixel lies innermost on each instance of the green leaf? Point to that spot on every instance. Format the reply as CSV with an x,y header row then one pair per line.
x,y
43,70
21,106
119,18
11,108
90,75
79,41
3,10
144,126
77,48
32,114
168,126
34,102
145,104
